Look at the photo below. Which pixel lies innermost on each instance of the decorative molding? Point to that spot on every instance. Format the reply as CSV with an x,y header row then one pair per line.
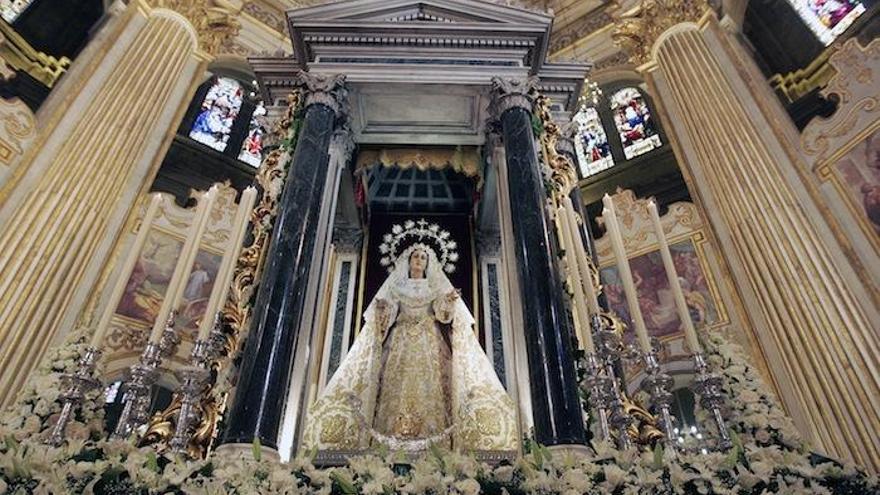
x,y
489,242
347,239
618,59
579,29
19,127
637,32
214,20
512,93
266,14
855,85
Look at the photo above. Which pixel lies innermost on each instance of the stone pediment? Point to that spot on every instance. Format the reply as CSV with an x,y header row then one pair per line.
x,y
463,30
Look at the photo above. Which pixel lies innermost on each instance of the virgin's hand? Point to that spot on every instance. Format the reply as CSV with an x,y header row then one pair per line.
x,y
452,296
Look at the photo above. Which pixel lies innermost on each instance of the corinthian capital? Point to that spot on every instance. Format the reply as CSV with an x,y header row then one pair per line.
x,y
512,93
214,20
636,33
322,89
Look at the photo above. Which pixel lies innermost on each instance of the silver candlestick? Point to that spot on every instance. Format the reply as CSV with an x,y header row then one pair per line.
x,y
76,385
192,382
142,376
708,387
610,347
658,383
595,385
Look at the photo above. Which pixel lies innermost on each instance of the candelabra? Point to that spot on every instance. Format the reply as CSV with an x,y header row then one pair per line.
x,y
76,385
708,387
193,379
610,347
596,385
657,383
142,376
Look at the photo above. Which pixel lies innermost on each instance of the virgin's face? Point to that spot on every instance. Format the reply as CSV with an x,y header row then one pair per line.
x,y
418,261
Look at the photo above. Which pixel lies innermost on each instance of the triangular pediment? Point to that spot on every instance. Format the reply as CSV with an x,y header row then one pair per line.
x,y
455,11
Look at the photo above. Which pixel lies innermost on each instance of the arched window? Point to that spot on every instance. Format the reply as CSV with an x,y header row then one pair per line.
x,y
828,19
634,122
218,112
11,9
591,144
252,149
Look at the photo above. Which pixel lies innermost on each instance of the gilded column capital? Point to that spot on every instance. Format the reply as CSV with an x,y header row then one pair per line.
x,y
323,89
214,20
637,32
512,93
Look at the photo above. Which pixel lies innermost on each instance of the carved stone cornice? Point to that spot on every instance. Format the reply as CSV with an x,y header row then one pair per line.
x,y
327,90
579,29
637,32
489,242
513,93
214,20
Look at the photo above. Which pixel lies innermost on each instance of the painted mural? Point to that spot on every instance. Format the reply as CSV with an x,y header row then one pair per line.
x,y
859,171
655,297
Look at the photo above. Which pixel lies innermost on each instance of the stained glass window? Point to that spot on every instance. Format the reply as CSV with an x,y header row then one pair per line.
x,y
252,149
634,122
591,145
828,18
11,9
217,114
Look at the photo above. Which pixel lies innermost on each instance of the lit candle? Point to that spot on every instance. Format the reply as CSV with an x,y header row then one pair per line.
x,y
182,270
227,266
629,287
582,315
586,274
134,253
690,334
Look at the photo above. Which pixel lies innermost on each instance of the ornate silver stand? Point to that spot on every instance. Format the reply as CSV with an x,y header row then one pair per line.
x,y
76,386
142,376
595,383
708,387
610,347
657,383
192,383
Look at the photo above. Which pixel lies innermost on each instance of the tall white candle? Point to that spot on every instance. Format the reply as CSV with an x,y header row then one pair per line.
x,y
629,287
134,252
227,266
184,263
581,313
582,257
684,315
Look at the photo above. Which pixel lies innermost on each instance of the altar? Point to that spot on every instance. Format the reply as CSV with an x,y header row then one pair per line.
x,y
413,112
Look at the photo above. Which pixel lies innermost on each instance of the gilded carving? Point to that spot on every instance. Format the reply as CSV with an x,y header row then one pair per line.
x,y
637,32
19,127
214,20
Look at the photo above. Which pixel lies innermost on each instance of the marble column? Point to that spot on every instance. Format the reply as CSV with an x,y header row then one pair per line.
x,y
558,419
280,306
816,323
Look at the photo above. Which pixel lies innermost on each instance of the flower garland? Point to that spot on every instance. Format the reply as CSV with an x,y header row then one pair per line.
x,y
768,457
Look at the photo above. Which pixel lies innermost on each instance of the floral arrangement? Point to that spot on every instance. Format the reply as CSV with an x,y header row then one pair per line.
x,y
768,457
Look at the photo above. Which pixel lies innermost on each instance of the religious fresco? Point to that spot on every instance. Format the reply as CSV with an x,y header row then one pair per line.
x,y
634,122
859,171
148,282
198,287
149,279
655,297
219,111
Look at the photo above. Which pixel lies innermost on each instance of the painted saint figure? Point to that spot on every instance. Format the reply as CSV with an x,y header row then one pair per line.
x,y
416,374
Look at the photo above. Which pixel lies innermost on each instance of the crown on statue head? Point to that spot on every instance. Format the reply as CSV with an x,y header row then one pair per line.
x,y
395,243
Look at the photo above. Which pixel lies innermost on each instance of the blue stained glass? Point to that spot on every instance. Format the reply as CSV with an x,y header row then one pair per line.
x,y
217,114
634,122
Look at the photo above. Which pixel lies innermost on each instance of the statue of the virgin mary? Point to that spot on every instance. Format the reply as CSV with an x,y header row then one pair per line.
x,y
416,374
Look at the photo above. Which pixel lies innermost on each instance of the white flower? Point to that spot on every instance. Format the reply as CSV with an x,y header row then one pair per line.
x,y
372,487
504,473
614,476
467,487
396,229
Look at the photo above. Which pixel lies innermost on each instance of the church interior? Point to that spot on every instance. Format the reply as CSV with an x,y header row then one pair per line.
x,y
440,246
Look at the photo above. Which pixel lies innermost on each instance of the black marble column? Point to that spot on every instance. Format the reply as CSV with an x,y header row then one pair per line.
x,y
556,407
261,393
